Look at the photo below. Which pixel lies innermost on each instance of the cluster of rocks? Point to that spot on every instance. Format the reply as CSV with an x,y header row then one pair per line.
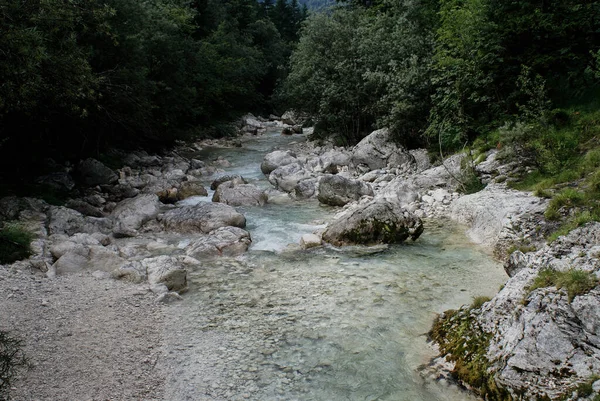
x,y
290,123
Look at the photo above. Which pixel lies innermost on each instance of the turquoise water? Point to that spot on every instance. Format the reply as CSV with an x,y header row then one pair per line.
x,y
326,324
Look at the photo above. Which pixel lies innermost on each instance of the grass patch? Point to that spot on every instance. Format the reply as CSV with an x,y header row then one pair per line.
x,y
479,301
463,343
14,243
575,282
568,197
12,358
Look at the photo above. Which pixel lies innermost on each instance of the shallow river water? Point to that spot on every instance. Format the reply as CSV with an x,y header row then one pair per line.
x,y
326,324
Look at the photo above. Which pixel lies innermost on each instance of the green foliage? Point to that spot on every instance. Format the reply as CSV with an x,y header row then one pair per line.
x,y
355,69
566,198
12,359
14,243
80,76
575,282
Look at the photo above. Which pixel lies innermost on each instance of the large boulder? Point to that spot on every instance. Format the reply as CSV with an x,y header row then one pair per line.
x,y
204,217
377,221
277,159
285,178
399,191
239,195
166,270
378,150
224,241
79,257
62,220
131,214
337,191
92,172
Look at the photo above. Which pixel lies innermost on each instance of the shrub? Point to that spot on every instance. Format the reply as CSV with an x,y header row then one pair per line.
x,y
479,301
14,243
11,359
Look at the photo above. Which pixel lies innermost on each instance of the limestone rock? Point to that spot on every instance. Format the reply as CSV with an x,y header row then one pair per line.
x,y
131,214
285,178
166,270
308,241
203,217
191,188
377,150
337,191
62,220
377,221
237,179
277,159
92,172
239,195
224,241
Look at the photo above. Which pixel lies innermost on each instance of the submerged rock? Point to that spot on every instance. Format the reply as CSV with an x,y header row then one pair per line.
x,y
377,221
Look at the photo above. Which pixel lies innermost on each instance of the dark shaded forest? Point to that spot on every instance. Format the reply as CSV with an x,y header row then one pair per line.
x,y
80,76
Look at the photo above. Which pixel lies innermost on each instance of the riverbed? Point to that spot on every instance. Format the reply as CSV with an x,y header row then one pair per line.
x,y
326,324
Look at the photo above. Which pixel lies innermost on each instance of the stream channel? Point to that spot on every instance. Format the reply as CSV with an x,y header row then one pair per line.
x,y
326,324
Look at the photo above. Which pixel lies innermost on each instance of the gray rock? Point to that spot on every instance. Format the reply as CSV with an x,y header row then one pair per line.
x,y
277,159
444,176
399,191
166,270
377,221
168,298
377,150
224,241
237,179
92,172
308,241
203,217
489,213
62,220
337,191
191,188
131,214
285,178
84,208
306,188
239,195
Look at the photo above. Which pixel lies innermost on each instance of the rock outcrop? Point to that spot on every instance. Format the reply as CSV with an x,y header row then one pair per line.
x,y
542,337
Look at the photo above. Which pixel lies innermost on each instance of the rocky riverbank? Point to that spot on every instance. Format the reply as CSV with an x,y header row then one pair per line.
x,y
130,224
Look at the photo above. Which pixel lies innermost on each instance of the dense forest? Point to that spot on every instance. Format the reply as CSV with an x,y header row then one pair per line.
x,y
79,76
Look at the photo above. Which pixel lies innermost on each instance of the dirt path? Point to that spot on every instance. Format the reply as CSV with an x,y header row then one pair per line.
x,y
87,338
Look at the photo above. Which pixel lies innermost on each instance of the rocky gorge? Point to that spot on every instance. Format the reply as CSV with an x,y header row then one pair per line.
x,y
152,223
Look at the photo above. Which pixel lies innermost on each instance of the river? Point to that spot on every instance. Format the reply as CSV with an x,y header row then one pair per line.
x,y
326,324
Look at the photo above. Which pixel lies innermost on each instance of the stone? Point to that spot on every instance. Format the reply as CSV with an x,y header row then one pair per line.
x,y
377,221
60,181
133,272
191,188
92,172
131,214
62,220
84,208
285,178
166,270
204,217
337,191
308,241
239,195
377,150
168,196
306,188
168,298
289,118
237,179
224,241
277,159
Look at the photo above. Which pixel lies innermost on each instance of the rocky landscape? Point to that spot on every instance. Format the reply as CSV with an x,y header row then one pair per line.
x,y
131,244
